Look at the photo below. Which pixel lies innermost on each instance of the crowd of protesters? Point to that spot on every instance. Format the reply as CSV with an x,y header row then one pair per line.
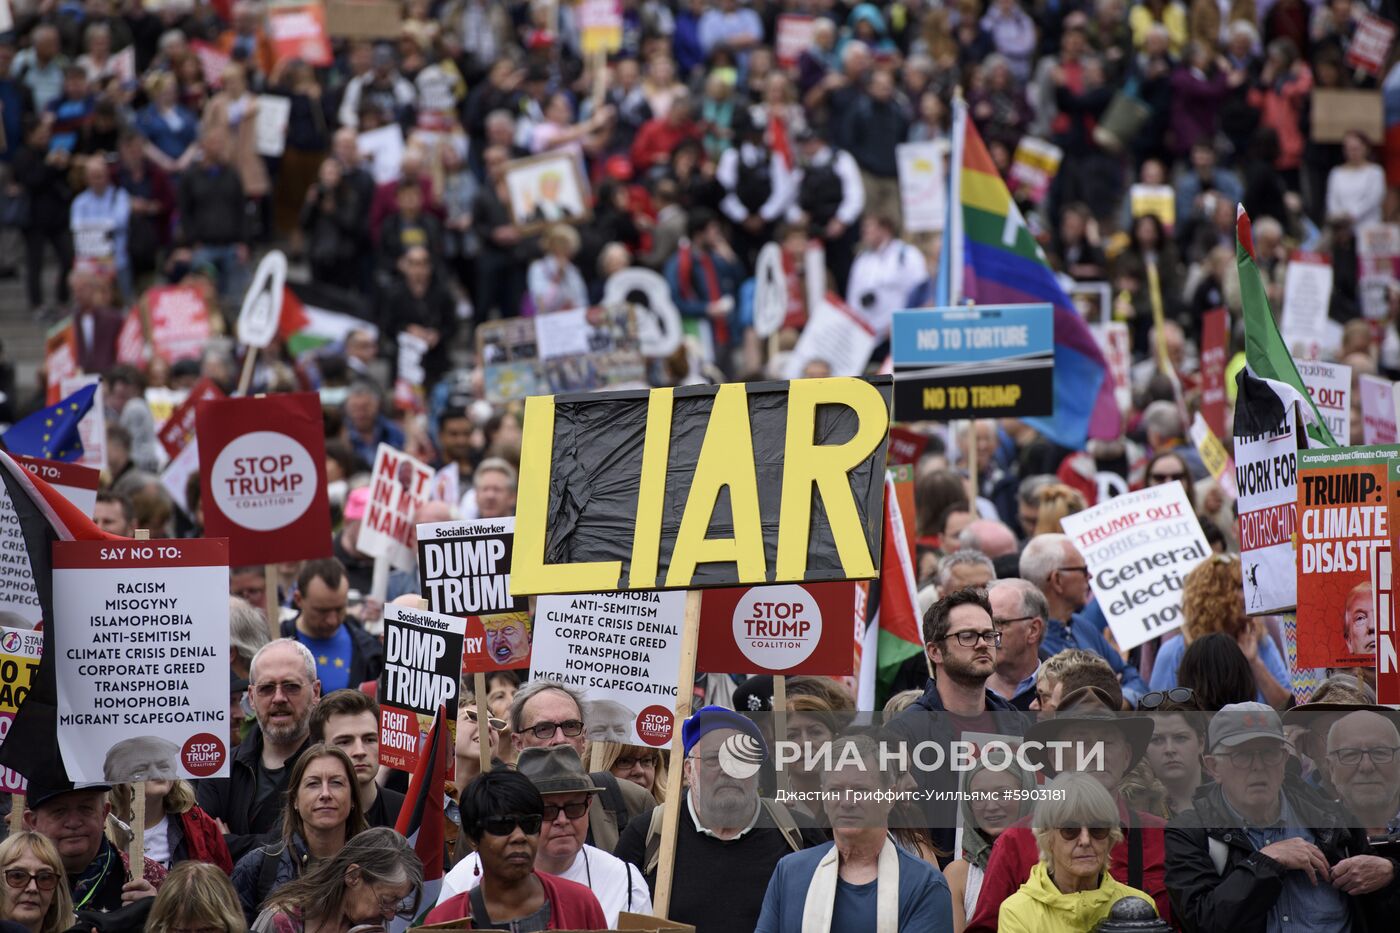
x,y
130,156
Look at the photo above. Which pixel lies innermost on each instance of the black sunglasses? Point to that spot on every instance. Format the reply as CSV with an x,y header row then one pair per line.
x,y
1071,833
529,823
1157,697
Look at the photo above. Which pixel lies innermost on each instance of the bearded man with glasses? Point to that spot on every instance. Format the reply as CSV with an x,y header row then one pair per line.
x,y
1263,852
545,713
284,690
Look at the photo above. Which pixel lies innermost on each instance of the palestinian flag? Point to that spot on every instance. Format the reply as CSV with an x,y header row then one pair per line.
x,y
893,634
43,516
315,316
1262,404
1264,350
421,820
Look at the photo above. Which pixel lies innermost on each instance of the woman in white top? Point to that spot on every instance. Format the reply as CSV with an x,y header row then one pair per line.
x,y
983,820
554,281
1356,188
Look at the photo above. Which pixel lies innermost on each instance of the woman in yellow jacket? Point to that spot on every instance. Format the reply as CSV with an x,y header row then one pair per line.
x,y
1070,889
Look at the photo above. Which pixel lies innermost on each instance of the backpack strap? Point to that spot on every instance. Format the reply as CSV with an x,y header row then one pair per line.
x,y
267,872
786,824
1134,851
613,801
652,849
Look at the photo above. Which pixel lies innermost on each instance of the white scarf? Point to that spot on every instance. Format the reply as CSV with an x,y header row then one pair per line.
x,y
821,895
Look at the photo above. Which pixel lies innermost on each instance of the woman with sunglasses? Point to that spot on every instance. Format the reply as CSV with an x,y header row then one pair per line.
x,y
1070,890
322,812
502,814
196,898
375,878
1212,602
36,887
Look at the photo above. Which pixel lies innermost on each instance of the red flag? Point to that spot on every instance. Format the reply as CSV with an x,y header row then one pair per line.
x,y
421,820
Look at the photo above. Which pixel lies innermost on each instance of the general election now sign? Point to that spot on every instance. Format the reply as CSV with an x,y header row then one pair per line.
x,y
702,486
263,476
979,361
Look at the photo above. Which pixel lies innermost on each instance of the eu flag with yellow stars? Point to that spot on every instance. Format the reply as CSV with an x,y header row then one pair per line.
x,y
52,433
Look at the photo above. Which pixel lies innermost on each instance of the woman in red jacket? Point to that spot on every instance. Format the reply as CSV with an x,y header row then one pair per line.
x,y
177,830
502,813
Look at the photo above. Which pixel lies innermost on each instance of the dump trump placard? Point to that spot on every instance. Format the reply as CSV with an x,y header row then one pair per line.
x,y
422,671
465,566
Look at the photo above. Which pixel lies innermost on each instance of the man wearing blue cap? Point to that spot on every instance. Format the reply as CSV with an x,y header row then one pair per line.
x,y
729,840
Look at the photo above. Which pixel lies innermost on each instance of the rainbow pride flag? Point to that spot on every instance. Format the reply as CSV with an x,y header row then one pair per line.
x,y
990,257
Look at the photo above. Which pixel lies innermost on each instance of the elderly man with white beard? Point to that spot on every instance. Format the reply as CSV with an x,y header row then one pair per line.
x,y
728,840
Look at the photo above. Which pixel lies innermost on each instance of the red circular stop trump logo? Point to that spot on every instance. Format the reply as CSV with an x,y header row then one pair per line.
x,y
777,627
203,754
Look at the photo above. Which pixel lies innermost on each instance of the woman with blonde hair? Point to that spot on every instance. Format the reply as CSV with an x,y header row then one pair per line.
x,y
641,764
1056,501
177,829
1070,890
554,281
196,896
36,886
1212,601
321,814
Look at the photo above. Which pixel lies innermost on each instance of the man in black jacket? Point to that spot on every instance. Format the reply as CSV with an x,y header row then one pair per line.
x,y
346,655
248,803
214,218
1265,852
961,643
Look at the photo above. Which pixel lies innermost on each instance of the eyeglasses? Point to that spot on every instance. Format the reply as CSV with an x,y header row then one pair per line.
x,y
1156,478
498,725
1083,570
627,764
968,638
290,689
1351,757
572,728
529,824
572,810
19,879
1157,697
1071,833
1002,623
1269,757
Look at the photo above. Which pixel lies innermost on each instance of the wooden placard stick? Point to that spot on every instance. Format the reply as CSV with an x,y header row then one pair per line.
x,y
780,718
136,852
670,817
483,720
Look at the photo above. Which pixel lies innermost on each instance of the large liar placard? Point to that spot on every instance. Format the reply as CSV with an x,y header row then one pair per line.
x,y
784,629
141,650
702,486
263,476
1139,549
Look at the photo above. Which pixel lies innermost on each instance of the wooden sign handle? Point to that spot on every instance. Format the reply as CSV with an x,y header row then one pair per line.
x,y
137,850
780,717
483,720
670,817
271,602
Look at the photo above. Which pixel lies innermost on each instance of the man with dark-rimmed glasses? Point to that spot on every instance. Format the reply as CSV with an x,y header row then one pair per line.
x,y
961,643
545,713
284,690
1263,851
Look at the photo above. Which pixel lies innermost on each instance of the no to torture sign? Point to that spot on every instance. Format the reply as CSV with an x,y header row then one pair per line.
x,y
263,476
141,653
